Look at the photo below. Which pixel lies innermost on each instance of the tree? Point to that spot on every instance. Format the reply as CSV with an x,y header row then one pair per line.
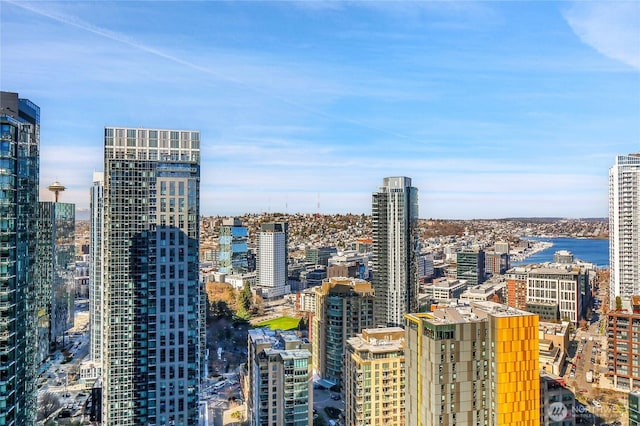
x,y
48,403
618,303
245,297
220,309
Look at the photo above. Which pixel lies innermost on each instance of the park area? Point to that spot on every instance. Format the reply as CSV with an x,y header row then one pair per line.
x,y
281,323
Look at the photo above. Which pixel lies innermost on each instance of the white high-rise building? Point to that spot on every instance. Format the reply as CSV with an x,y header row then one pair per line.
x,y
92,368
395,250
272,274
624,227
152,318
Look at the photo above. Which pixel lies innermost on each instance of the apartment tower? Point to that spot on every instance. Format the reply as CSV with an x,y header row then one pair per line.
x,y
279,373
395,250
624,227
374,368
151,291
19,178
343,307
472,364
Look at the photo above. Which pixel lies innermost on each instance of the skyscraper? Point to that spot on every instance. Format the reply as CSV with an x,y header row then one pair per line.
x,y
93,369
395,250
343,308
55,280
474,364
19,178
624,227
152,295
272,261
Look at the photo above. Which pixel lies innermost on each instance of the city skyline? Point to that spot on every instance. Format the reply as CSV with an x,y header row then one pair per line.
x,y
305,106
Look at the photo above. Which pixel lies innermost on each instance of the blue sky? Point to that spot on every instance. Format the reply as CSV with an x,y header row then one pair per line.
x,y
494,109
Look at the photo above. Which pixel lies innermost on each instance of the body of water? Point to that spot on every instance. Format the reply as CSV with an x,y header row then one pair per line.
x,y
586,249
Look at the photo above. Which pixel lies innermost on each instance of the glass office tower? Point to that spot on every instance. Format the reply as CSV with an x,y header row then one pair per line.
x,y
19,175
55,265
152,295
233,255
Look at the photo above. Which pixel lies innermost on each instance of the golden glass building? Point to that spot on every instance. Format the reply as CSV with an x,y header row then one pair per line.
x,y
374,378
473,364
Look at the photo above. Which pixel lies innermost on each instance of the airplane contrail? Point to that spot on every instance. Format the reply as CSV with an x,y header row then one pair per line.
x,y
121,38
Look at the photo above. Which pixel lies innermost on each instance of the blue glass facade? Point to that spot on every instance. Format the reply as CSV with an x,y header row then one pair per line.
x,y
233,253
19,175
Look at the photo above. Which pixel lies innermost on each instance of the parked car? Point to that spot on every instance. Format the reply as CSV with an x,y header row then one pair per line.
x,y
335,397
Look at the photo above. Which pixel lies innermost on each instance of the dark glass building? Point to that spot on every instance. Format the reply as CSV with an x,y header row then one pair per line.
x,y
55,277
153,324
19,178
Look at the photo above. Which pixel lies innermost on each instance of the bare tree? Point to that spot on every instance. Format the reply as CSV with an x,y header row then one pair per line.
x,y
48,403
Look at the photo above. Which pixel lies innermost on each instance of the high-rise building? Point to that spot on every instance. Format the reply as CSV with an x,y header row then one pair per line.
x,y
343,307
470,266
152,320
374,371
474,364
395,250
624,227
92,369
272,260
517,287
233,249
623,339
279,372
19,179
56,280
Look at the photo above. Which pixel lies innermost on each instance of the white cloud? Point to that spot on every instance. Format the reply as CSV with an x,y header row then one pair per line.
x,y
610,27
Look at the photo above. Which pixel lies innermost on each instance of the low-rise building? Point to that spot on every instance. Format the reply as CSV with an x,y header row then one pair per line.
x,y
444,289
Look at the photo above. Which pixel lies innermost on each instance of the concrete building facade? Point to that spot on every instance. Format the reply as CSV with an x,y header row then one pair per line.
x,y
279,372
272,260
623,341
375,378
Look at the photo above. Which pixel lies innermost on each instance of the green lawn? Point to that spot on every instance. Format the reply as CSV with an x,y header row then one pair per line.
x,y
282,323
